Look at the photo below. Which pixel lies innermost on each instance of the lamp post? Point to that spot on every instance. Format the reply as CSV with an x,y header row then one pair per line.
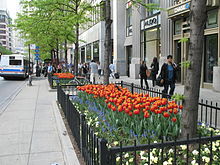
x,y
29,59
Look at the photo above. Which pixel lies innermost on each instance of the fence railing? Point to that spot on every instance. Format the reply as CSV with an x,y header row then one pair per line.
x,y
95,150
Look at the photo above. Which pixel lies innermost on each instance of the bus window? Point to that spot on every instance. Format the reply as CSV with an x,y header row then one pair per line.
x,y
15,62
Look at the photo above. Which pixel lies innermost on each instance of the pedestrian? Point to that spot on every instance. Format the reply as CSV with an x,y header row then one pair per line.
x,y
112,70
85,69
143,74
99,69
168,76
80,69
154,70
49,69
93,71
59,68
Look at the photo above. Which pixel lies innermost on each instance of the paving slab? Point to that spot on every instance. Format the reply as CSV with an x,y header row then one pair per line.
x,y
46,158
15,144
14,159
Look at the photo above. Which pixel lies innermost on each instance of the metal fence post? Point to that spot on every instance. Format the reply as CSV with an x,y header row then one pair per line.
x,y
66,104
132,88
122,83
83,132
103,152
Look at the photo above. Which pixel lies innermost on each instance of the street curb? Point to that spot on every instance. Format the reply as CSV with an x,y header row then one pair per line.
x,y
69,154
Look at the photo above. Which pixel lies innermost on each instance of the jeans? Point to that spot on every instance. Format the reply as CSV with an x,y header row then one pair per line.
x,y
168,84
146,83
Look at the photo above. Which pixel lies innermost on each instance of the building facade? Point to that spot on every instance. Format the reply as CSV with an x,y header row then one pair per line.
x,y
179,14
140,35
6,31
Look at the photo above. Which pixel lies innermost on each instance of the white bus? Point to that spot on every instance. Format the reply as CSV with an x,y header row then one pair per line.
x,y
13,66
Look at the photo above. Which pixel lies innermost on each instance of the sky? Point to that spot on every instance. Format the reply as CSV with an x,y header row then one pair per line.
x,y
13,7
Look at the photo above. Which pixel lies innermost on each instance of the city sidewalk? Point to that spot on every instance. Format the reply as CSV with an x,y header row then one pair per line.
x,y
206,94
32,131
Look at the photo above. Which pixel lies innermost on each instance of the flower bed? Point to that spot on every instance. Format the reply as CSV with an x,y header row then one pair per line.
x,y
61,78
120,116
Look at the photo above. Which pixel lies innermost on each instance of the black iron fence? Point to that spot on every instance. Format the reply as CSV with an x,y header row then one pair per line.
x,y
95,151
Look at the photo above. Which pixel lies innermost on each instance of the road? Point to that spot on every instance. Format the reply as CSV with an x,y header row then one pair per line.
x,y
8,90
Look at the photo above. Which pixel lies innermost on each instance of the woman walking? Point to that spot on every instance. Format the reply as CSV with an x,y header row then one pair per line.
x,y
143,74
154,70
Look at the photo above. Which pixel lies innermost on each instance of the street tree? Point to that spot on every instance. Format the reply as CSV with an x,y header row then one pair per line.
x,y
198,17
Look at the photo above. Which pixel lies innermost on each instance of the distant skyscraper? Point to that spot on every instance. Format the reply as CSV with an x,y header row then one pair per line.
x,y
3,4
5,31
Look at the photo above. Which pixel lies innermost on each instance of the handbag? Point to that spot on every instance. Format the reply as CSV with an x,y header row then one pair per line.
x,y
158,81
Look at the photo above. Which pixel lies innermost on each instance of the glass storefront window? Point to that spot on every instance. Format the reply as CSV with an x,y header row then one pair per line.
x,y
82,54
211,57
96,51
88,53
212,20
150,46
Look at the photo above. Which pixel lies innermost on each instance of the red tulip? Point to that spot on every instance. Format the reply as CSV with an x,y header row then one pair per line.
x,y
166,114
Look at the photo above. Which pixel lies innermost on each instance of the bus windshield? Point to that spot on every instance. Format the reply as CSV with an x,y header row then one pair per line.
x,y
14,62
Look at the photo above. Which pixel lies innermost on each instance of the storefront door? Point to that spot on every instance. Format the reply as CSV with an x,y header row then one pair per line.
x,y
128,59
211,57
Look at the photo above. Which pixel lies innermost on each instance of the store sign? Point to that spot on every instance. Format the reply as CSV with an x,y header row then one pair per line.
x,y
179,9
150,22
182,8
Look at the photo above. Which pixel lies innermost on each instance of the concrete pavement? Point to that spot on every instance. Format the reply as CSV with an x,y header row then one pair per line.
x,y
32,130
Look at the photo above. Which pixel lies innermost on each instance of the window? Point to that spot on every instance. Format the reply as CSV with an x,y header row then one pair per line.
x,y
211,57
2,37
96,51
153,11
212,20
15,62
3,31
178,26
88,52
3,26
128,19
4,42
2,18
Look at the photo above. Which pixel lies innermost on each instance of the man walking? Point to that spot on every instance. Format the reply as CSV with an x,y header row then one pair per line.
x,y
168,76
93,71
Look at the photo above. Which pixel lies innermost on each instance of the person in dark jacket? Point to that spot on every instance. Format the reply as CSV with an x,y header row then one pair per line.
x,y
143,74
154,70
168,76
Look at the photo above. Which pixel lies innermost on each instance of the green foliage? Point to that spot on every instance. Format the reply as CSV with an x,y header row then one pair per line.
x,y
3,50
178,97
186,64
50,23
182,40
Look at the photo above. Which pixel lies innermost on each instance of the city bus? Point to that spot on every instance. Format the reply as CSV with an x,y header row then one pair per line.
x,y
14,66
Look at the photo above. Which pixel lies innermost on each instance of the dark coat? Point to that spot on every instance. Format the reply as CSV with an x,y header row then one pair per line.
x,y
155,68
164,72
143,70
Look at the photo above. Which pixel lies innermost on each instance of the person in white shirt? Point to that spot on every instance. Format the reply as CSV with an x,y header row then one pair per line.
x,y
112,70
99,69
93,71
49,68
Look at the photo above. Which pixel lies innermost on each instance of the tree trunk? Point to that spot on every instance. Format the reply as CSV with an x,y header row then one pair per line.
x,y
65,52
51,54
108,46
57,59
193,77
76,52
